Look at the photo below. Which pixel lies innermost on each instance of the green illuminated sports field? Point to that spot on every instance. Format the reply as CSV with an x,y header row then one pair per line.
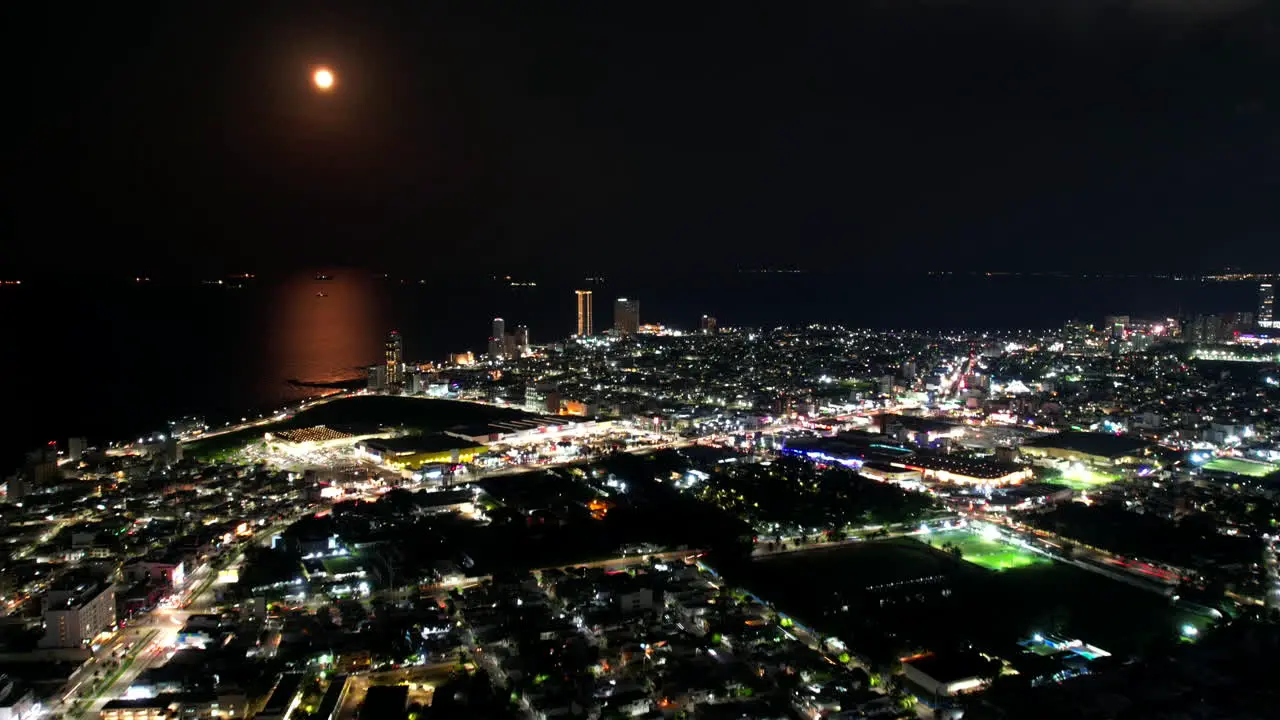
x,y
990,554
1081,478
1247,468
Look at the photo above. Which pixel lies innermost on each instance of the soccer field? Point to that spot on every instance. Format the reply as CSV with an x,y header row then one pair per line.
x,y
990,554
1247,468
1081,478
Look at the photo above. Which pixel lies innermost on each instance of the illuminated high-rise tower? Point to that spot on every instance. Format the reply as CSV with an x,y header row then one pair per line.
x,y
1267,306
498,340
585,327
393,355
522,339
626,316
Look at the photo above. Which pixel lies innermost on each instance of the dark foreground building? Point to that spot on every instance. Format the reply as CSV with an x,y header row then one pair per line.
x,y
385,702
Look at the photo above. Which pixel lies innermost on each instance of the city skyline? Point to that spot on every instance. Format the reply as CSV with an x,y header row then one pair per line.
x,y
919,477
909,510
937,372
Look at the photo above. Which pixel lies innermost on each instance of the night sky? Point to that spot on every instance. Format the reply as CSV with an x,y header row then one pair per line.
x,y
1025,134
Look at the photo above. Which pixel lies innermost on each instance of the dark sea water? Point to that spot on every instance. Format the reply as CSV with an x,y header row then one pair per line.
x,y
110,360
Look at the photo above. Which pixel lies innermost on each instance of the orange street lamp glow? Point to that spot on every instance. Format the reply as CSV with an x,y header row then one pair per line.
x,y
323,79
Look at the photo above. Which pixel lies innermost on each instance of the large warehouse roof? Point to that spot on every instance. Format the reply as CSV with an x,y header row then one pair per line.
x,y
1091,443
412,444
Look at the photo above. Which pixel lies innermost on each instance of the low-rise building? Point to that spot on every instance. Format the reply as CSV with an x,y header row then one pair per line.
x,y
1092,448
193,706
963,471
633,600
167,569
416,450
386,701
283,699
947,674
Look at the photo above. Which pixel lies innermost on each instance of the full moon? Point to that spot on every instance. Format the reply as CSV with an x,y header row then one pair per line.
x,y
323,78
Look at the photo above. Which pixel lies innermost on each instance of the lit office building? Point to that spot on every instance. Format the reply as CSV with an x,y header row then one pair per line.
x,y
626,316
522,339
1267,306
708,324
394,359
585,326
75,615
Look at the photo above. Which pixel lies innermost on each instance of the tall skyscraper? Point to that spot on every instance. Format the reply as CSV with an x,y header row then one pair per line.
x,y
708,324
498,339
626,316
585,326
75,449
1267,306
393,357
522,339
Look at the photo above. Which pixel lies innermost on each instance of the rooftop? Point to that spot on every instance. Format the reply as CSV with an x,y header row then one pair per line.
x,y
981,469
443,497
950,667
385,701
71,594
1091,443
331,697
850,445
1031,490
918,424
163,700
514,425
282,695
412,444
318,433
